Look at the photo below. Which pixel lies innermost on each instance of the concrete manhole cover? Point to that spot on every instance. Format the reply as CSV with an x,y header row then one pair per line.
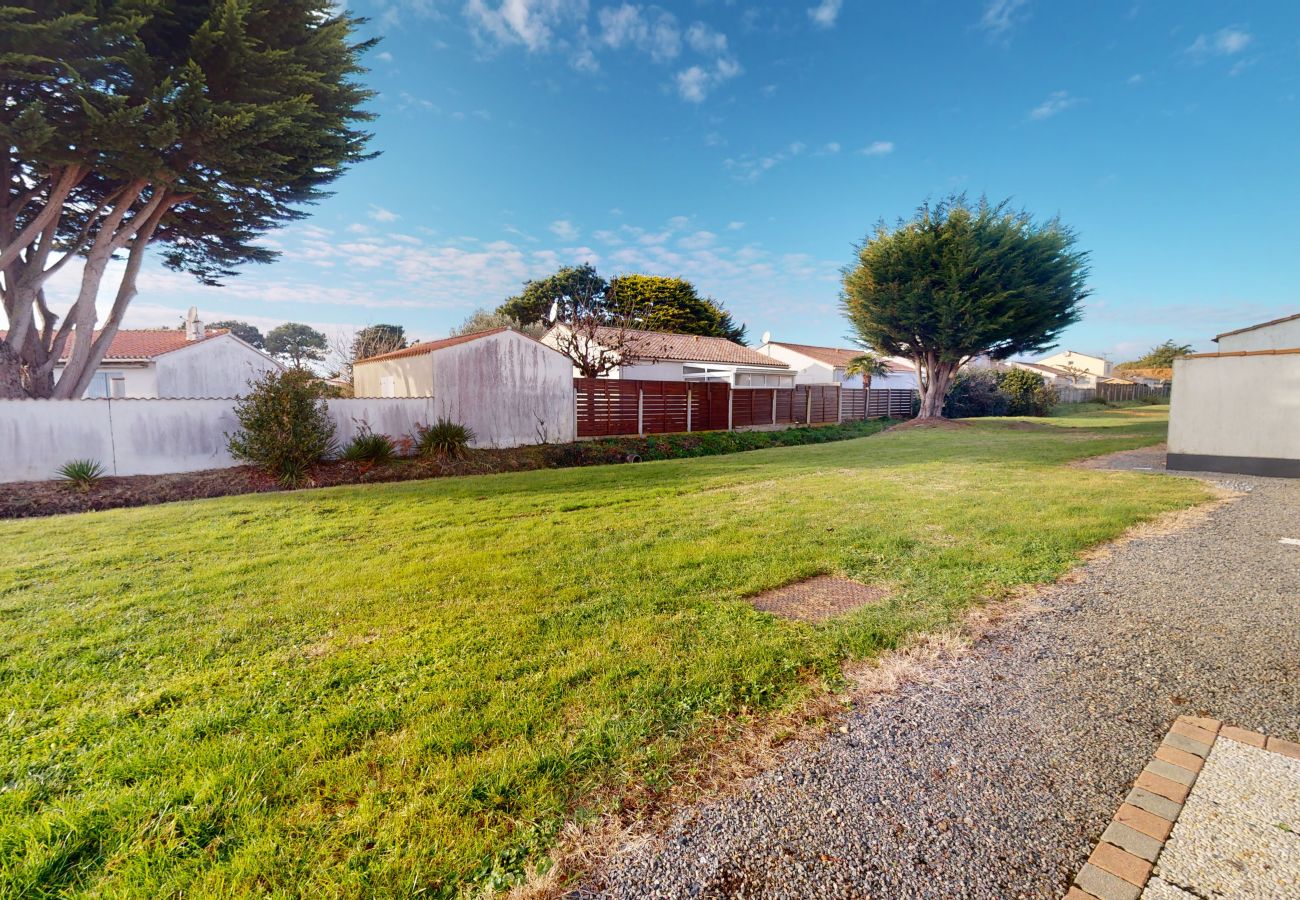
x,y
817,599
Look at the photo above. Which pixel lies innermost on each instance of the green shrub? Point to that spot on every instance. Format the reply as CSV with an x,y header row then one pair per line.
x,y
369,447
83,474
1028,394
285,426
444,438
975,392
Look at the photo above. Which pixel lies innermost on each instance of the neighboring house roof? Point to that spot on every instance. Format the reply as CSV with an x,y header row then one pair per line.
x,y
430,346
837,357
1260,325
661,345
141,344
1048,370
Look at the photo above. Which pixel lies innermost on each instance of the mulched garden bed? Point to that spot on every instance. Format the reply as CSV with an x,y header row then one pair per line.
x,y
22,499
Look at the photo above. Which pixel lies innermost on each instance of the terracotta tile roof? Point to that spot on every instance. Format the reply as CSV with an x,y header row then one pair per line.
x,y
430,346
661,345
140,343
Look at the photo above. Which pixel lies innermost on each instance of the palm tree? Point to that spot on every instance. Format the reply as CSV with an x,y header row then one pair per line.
x,y
868,365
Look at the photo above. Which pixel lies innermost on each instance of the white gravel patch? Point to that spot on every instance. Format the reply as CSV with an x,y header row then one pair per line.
x,y
1239,832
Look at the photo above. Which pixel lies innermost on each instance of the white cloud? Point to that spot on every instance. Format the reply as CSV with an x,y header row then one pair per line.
x,y
1056,102
878,148
1135,79
650,29
1224,42
1000,16
825,13
379,214
531,23
384,56
697,82
735,226
832,148
564,230
705,40
697,241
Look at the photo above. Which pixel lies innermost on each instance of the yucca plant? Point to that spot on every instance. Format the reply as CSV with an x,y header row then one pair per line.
x,y
369,447
444,439
83,474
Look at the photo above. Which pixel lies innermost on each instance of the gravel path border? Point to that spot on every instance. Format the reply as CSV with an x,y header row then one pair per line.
x,y
996,776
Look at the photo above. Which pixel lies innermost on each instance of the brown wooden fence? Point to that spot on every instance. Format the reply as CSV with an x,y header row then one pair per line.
x,y
609,406
1115,393
892,403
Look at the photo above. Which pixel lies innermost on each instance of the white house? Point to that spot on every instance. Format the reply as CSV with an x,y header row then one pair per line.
x,y
661,356
1238,410
166,362
507,387
827,365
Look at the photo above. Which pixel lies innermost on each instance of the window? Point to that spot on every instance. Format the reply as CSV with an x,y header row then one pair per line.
x,y
106,384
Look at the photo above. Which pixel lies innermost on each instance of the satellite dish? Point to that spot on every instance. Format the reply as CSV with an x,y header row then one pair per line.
x,y
767,337
553,312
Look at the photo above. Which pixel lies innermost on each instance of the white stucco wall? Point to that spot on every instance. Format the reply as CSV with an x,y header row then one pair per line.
x,y
651,371
1282,336
806,369
150,437
1093,364
220,366
510,389
1243,406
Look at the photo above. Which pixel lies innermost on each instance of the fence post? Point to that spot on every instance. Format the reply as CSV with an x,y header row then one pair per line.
x,y
689,394
839,407
731,392
773,406
807,415
640,409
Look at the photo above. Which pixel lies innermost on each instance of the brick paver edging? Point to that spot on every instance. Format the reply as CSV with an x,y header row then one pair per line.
x,y
1120,866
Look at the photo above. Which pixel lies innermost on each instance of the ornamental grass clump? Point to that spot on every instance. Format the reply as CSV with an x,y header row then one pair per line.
x,y
370,447
82,474
285,425
443,439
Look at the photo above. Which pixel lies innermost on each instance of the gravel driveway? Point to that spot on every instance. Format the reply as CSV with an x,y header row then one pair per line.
x,y
997,780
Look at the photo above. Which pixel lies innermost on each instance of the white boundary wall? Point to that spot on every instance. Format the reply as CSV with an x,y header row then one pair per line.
x,y
152,437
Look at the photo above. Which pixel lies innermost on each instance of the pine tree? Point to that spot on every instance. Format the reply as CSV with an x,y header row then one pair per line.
x,y
193,125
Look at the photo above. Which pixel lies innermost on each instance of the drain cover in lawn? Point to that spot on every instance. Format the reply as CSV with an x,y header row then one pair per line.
x,y
816,599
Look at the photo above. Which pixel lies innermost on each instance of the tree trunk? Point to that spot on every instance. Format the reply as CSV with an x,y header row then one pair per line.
x,y
11,374
935,388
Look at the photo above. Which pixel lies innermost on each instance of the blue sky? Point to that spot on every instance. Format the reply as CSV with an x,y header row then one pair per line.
x,y
747,146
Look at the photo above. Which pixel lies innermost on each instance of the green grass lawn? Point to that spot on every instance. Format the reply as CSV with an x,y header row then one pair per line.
x,y
405,689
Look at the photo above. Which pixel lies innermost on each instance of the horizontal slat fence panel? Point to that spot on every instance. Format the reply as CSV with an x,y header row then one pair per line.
x,y
606,406
894,403
610,406
751,406
663,406
709,404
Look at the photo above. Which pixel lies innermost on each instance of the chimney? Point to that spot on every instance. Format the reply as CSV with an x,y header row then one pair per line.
x,y
193,327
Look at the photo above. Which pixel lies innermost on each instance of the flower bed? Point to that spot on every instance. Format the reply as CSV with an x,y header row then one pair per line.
x,y
43,498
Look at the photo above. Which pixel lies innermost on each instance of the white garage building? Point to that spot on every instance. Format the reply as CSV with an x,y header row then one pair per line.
x,y
1238,409
509,388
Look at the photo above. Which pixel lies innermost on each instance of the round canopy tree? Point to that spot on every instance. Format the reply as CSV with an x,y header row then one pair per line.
x,y
196,125
959,281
